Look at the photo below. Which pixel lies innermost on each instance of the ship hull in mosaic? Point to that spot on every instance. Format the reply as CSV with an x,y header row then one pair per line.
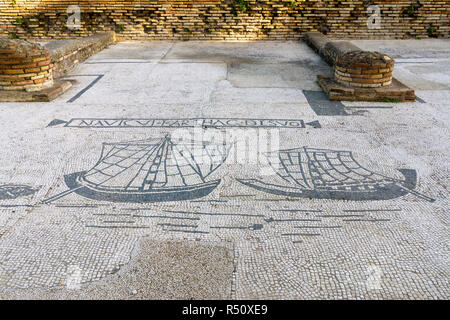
x,y
75,182
386,192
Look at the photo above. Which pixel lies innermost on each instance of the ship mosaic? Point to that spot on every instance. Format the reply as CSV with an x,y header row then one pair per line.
x,y
149,171
160,170
331,174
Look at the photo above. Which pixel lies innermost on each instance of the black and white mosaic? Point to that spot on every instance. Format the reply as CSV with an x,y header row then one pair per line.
x,y
13,191
352,203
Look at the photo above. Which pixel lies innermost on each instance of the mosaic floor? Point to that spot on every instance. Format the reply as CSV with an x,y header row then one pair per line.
x,y
102,194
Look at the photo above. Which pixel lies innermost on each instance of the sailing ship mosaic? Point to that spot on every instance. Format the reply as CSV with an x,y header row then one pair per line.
x,y
331,174
160,170
149,171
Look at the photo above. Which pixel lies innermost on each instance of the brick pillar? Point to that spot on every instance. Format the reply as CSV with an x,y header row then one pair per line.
x,y
24,66
364,69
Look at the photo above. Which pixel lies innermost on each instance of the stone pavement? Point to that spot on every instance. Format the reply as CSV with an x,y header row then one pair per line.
x,y
240,232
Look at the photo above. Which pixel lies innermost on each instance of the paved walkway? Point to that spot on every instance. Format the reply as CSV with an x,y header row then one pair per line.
x,y
338,221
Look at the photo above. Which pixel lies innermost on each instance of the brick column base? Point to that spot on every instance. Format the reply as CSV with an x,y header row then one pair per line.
x,y
364,69
24,66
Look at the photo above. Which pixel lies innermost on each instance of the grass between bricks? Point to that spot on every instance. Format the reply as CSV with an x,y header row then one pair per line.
x,y
391,100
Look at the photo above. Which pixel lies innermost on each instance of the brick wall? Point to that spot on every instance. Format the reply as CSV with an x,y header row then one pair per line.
x,y
224,20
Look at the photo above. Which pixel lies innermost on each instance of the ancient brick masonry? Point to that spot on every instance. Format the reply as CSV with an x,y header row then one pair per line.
x,y
24,66
364,69
357,75
224,19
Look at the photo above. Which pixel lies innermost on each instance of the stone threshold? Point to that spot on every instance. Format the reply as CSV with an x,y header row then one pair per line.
x,y
396,92
45,95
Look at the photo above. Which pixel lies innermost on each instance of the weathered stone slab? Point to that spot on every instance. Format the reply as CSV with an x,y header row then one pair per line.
x,y
334,49
328,50
316,40
45,95
66,54
396,92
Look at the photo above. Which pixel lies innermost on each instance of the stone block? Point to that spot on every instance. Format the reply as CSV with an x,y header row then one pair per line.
x,y
394,90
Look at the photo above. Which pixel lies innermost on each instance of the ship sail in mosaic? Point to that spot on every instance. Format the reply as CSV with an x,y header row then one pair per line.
x,y
330,174
149,171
